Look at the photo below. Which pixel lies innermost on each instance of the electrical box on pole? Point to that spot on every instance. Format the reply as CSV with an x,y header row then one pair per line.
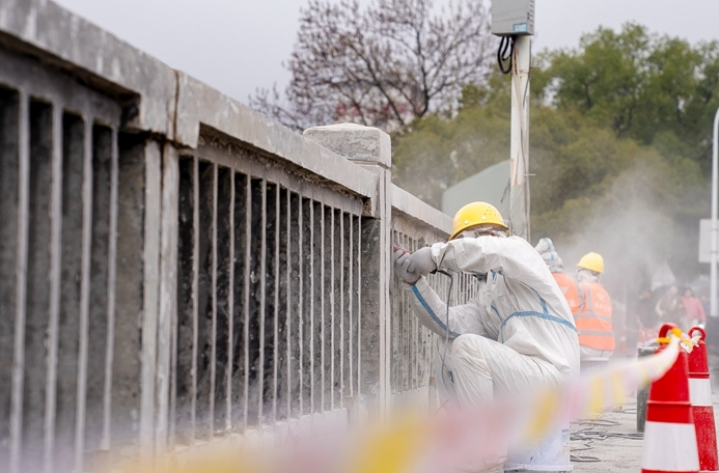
x,y
513,20
512,17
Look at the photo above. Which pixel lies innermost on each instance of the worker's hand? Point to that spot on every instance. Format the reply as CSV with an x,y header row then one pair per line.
x,y
401,260
422,262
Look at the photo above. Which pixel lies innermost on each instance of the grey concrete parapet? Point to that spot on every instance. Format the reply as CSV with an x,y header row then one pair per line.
x,y
358,143
419,210
336,181
200,104
371,149
169,102
89,49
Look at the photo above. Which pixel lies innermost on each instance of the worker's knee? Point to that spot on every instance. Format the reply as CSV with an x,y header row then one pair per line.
x,y
468,346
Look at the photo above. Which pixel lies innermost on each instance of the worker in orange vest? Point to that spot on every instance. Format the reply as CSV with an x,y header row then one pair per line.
x,y
569,286
594,318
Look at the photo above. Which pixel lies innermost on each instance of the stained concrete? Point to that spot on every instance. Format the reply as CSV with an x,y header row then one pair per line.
x,y
108,90
359,143
98,57
410,206
201,105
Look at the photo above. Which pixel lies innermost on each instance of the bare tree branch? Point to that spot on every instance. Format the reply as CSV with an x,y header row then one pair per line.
x,y
384,66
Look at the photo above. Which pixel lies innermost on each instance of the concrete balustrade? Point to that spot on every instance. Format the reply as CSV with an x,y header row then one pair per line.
x,y
176,267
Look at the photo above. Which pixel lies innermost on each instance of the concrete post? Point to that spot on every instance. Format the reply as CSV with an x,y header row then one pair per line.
x,y
371,149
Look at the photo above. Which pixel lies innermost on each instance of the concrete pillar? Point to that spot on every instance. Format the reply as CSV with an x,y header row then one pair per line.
x,y
371,149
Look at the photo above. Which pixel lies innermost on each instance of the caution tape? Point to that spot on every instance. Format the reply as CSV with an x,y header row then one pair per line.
x,y
685,342
412,443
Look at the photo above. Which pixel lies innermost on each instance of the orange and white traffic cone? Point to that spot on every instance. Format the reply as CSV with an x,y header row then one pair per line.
x,y
670,442
702,407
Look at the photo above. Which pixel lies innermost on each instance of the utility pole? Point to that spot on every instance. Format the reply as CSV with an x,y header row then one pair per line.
x,y
513,21
519,149
714,230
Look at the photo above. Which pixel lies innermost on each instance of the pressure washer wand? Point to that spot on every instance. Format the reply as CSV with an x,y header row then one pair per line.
x,y
396,247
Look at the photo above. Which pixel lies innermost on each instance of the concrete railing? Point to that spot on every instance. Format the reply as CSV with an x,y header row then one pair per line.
x,y
176,267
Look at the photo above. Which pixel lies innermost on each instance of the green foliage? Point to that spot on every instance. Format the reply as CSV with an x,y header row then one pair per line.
x,y
637,84
440,153
620,137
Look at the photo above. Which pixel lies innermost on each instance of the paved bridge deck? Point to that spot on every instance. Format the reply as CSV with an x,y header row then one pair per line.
x,y
619,452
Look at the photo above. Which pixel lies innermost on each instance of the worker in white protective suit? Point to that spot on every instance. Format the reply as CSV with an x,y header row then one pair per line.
x,y
517,334
567,284
545,248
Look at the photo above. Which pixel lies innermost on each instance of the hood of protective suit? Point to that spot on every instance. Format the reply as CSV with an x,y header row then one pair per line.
x,y
546,250
585,275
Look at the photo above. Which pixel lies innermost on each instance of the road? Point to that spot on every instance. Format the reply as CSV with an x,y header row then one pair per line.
x,y
610,442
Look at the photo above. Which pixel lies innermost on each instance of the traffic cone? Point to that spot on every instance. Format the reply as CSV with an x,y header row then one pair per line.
x,y
670,442
702,407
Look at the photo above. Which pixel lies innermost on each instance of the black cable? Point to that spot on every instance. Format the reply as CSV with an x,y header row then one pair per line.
x,y
588,436
443,355
446,326
584,459
507,43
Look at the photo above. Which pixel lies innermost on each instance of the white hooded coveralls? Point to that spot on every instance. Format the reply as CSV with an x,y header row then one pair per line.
x,y
516,334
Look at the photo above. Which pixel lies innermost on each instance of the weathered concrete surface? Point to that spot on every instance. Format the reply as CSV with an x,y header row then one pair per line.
x,y
176,105
9,144
58,32
619,455
62,61
200,104
418,210
356,142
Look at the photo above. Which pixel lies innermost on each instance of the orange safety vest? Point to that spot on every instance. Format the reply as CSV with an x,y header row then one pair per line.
x,y
570,289
594,321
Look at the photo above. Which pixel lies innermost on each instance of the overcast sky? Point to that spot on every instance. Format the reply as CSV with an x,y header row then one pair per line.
x,y
239,45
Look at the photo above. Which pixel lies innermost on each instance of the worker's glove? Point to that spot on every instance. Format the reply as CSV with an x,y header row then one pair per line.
x,y
401,259
422,262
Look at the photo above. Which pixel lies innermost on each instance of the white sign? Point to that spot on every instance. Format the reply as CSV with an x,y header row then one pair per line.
x,y
705,245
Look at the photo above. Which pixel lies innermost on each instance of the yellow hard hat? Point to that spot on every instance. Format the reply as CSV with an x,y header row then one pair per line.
x,y
592,261
476,213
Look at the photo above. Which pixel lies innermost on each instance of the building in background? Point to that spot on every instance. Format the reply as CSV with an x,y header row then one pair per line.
x,y
489,185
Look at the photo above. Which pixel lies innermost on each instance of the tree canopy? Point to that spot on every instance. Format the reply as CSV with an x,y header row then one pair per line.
x,y
620,136
384,65
642,86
